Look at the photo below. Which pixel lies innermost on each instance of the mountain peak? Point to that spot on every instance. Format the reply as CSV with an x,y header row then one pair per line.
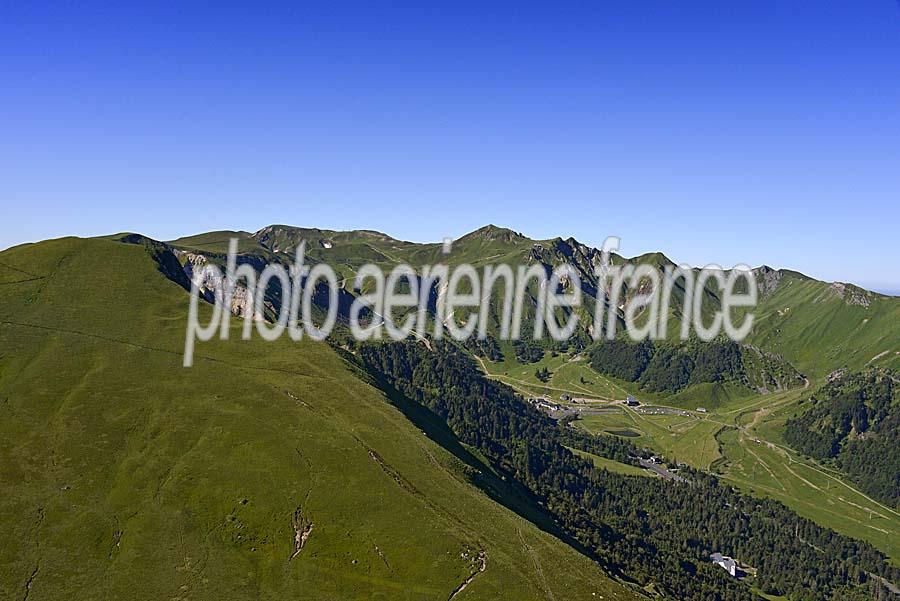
x,y
492,232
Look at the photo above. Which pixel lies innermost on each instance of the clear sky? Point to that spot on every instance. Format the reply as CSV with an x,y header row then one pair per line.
x,y
757,132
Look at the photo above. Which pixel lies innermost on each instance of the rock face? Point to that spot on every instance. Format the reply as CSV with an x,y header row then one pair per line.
x,y
767,280
241,300
852,295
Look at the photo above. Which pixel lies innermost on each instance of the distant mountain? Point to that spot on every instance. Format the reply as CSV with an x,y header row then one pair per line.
x,y
888,291
817,326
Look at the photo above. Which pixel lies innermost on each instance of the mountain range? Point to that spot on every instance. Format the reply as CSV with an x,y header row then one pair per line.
x,y
330,471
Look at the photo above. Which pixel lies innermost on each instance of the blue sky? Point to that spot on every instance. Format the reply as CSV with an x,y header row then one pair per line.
x,y
763,132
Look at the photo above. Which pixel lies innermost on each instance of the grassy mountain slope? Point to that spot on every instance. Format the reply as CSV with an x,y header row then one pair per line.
x,y
124,475
821,327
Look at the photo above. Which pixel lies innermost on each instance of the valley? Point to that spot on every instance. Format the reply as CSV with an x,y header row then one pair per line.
x,y
740,439
818,326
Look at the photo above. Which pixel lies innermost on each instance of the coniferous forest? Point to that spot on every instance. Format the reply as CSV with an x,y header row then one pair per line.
x,y
854,420
661,366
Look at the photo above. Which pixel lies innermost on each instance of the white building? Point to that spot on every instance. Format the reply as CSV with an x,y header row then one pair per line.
x,y
725,562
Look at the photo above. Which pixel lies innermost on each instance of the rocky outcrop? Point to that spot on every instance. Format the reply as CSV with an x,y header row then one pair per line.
x,y
852,295
767,280
241,300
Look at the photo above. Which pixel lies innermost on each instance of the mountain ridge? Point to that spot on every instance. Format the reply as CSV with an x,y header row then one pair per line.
x,y
489,232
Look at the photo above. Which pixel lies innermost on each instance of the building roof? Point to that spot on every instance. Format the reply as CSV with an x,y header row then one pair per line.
x,y
724,561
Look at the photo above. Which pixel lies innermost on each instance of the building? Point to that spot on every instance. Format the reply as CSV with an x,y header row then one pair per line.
x,y
725,562
631,401
701,409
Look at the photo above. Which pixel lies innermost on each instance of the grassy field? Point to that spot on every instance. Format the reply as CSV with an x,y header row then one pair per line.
x,y
125,476
571,375
739,437
613,466
758,460
685,439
